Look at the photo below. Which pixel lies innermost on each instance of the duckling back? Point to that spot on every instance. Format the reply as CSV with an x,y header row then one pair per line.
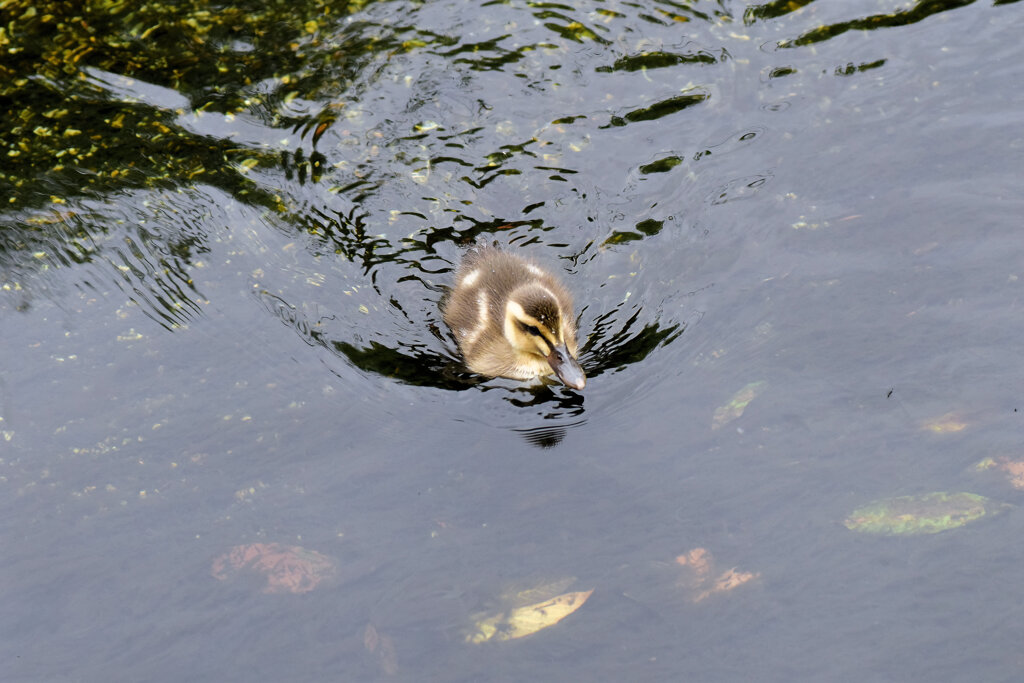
x,y
475,308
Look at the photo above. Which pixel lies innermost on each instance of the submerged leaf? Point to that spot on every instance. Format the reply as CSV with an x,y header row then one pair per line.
x,y
698,560
726,582
520,596
522,621
1014,469
925,514
383,647
287,569
945,424
700,563
737,404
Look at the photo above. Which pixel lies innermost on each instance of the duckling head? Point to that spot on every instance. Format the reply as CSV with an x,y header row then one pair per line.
x,y
536,325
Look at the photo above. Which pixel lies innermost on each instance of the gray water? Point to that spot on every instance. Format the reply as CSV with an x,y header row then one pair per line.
x,y
221,254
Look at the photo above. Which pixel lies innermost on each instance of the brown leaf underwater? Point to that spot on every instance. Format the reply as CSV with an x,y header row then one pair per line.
x,y
1013,469
287,569
381,645
699,565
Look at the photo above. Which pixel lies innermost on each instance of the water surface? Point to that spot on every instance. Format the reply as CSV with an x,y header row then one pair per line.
x,y
225,235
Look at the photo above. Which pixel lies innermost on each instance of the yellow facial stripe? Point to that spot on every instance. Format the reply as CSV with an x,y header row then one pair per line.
x,y
513,314
515,317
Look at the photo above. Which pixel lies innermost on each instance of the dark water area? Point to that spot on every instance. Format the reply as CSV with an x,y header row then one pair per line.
x,y
224,234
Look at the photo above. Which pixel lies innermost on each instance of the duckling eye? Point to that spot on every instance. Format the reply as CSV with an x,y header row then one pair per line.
x,y
530,329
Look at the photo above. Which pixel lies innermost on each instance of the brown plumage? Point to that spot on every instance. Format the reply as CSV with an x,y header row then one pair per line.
x,y
511,318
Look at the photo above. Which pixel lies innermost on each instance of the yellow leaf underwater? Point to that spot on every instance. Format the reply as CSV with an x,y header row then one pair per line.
x,y
950,423
522,621
522,595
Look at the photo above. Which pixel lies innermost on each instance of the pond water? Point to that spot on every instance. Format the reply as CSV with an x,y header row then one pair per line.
x,y
793,233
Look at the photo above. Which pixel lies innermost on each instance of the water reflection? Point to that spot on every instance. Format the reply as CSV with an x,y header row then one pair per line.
x,y
547,436
917,12
659,109
381,144
439,164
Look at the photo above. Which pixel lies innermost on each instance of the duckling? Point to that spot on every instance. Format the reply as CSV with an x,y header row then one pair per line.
x,y
512,319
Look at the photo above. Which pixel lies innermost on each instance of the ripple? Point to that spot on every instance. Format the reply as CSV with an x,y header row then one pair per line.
x,y
738,189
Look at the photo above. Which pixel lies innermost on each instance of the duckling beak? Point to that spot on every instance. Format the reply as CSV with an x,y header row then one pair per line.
x,y
566,367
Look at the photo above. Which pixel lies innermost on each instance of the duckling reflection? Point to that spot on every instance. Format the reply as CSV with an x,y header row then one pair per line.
x,y
512,319
543,437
